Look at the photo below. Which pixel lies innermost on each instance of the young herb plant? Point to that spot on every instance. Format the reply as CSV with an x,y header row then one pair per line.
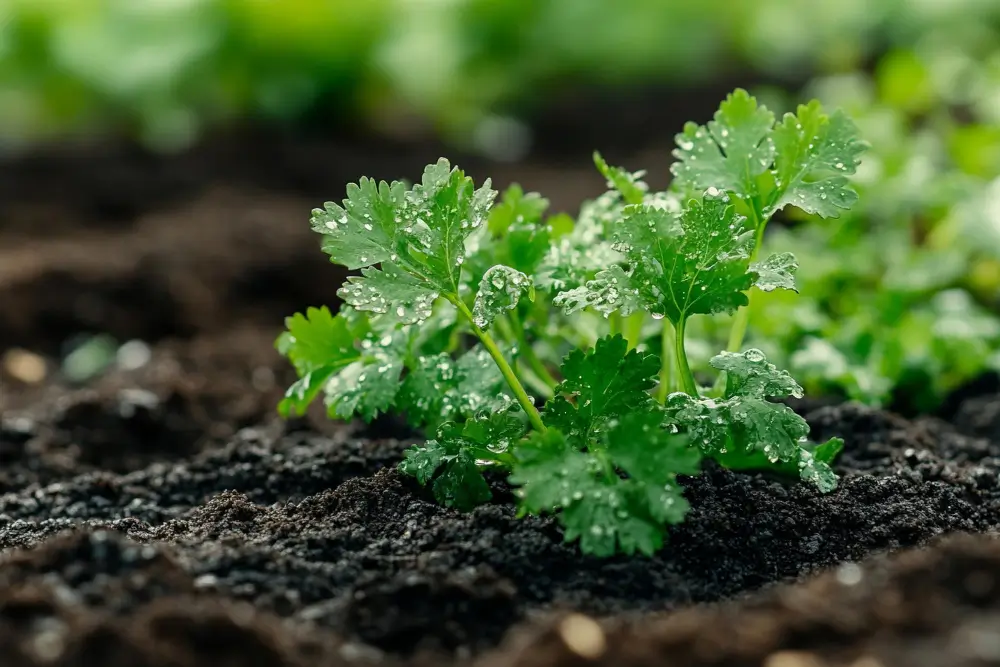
x,y
461,306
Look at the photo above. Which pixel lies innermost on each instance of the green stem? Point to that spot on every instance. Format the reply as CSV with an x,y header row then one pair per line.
x,y
615,323
739,328
528,353
633,329
508,373
683,368
532,380
666,363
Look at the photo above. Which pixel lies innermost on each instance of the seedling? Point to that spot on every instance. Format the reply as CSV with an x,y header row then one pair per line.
x,y
463,310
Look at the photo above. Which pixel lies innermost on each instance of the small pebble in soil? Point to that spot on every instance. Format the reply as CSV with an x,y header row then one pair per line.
x,y
24,366
583,636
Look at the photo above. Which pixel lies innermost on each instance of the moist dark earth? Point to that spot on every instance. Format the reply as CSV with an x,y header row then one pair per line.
x,y
164,515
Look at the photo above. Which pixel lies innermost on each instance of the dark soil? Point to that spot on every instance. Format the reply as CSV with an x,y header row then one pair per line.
x,y
165,516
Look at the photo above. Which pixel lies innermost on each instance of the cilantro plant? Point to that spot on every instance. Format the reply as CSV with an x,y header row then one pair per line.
x,y
527,345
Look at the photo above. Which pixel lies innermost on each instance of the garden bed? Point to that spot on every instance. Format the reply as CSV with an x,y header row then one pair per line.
x,y
163,515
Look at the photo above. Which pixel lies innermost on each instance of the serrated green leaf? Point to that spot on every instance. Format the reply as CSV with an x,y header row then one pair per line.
x,y
423,461
814,154
678,267
653,458
424,394
706,421
609,517
744,430
389,290
462,484
776,272
366,229
499,291
548,471
630,185
443,211
479,384
597,506
516,208
610,291
773,429
417,236
605,383
364,388
452,458
802,160
441,389
578,256
318,339
731,152
749,374
492,432
814,466
318,344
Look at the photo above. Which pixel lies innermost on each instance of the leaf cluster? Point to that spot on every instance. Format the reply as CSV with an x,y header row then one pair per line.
x,y
465,310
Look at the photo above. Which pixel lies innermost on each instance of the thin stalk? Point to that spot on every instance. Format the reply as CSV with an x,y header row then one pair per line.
x,y
683,368
666,363
739,328
615,323
532,380
508,373
528,353
633,329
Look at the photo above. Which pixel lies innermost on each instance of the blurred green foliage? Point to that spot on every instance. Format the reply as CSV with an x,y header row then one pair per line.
x,y
166,68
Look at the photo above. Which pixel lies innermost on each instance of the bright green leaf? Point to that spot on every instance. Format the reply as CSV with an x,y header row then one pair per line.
x,y
318,344
630,185
605,383
814,155
417,236
776,272
499,291
731,152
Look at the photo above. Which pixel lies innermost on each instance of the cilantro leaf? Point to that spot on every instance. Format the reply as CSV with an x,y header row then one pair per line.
x,y
417,236
318,344
653,458
611,290
605,383
803,160
379,290
516,208
776,272
577,257
630,185
814,466
440,388
365,388
515,237
549,471
731,152
595,504
499,291
749,374
452,459
677,267
365,231
744,430
814,154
